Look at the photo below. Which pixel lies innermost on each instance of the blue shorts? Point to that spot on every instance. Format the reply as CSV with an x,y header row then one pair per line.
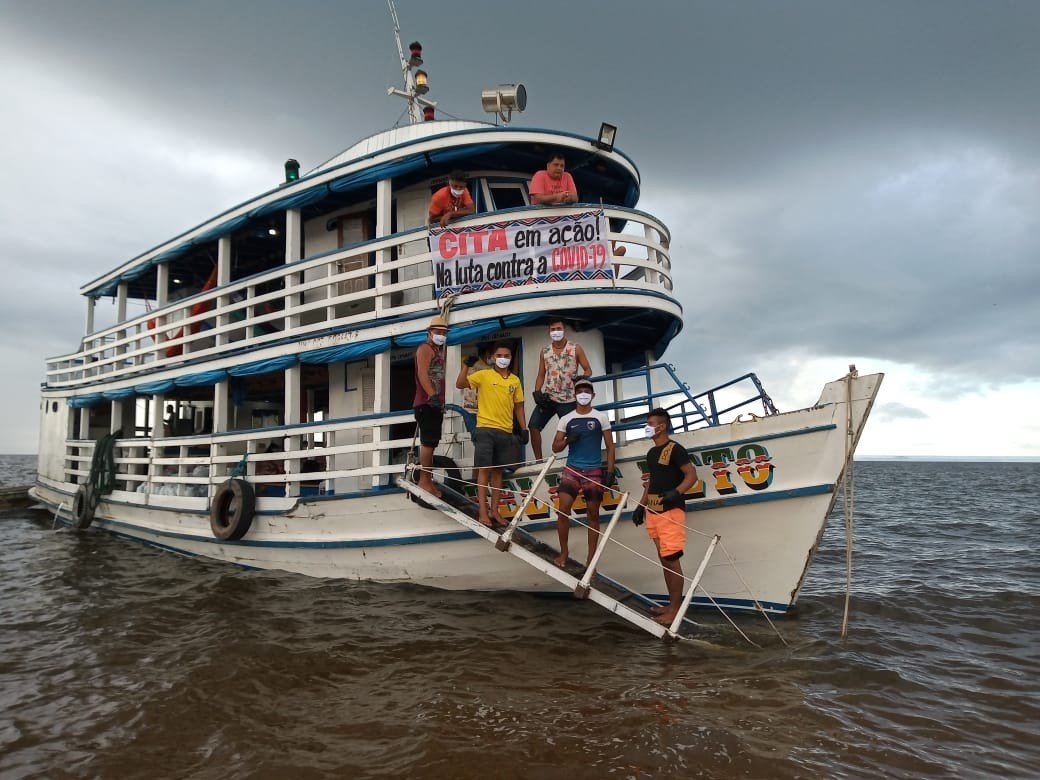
x,y
542,414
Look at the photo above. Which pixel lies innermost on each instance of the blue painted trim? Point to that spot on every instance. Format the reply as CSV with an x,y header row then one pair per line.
x,y
425,315
452,536
702,504
738,442
769,437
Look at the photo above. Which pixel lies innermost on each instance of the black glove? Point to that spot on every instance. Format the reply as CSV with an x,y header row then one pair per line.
x,y
609,479
435,401
574,436
524,436
471,360
639,515
542,399
672,499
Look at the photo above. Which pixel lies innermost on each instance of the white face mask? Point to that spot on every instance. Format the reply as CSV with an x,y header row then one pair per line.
x,y
583,399
457,193
650,431
556,335
503,362
439,339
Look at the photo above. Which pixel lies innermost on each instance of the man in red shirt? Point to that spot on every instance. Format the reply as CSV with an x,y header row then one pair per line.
x,y
451,202
553,186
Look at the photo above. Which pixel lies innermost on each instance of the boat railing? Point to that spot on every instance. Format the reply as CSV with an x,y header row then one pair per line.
x,y
329,457
635,392
336,291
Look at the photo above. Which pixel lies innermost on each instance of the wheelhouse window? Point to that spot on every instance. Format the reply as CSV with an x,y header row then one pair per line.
x,y
507,195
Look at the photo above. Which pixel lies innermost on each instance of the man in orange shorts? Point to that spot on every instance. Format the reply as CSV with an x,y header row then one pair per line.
x,y
671,474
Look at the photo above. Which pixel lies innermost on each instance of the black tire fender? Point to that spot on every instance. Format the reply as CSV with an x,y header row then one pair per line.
x,y
83,507
232,510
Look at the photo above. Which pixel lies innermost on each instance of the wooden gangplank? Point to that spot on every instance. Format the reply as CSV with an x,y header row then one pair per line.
x,y
600,589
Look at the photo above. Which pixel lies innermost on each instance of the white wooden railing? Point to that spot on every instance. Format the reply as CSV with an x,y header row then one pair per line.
x,y
358,454
316,294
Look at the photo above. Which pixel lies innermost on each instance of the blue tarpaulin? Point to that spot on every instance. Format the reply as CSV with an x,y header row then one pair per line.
x,y
344,352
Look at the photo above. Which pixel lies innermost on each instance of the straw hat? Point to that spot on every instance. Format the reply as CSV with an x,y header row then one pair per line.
x,y
438,322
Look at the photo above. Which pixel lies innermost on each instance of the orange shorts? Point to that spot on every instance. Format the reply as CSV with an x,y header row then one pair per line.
x,y
668,530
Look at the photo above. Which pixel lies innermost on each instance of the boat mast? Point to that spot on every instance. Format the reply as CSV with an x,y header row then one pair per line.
x,y
415,86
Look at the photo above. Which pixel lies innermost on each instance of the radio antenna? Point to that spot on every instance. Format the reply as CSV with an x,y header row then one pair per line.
x,y
420,109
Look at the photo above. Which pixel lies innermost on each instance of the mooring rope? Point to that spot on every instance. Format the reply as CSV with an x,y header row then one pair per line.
x,y
849,495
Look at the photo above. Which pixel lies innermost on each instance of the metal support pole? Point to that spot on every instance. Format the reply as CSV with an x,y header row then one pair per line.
x,y
503,540
674,628
582,588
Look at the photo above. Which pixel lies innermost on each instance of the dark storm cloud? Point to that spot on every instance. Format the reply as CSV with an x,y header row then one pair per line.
x,y
841,178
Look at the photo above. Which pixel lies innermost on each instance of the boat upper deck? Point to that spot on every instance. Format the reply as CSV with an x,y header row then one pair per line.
x,y
341,257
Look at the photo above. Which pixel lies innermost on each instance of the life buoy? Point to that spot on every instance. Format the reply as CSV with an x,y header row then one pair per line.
x,y
452,477
232,510
83,507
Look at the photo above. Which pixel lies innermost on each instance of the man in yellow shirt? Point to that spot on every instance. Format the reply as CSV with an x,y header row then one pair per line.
x,y
499,397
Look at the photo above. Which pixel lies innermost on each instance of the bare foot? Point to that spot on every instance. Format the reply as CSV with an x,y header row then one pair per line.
x,y
561,560
431,489
666,618
658,610
498,519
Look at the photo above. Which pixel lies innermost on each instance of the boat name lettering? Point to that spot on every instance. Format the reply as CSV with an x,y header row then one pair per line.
x,y
754,467
328,341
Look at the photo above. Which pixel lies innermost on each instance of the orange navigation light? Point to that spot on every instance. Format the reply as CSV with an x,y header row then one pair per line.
x,y
421,87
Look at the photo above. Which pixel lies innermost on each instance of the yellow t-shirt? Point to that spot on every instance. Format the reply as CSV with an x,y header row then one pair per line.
x,y
496,397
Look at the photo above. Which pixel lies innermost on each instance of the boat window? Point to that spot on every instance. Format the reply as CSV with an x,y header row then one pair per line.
x,y
507,195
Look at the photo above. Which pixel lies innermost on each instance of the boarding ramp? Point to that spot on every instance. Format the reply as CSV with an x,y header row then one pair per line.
x,y
584,583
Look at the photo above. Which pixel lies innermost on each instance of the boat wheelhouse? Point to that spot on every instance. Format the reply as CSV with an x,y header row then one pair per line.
x,y
273,345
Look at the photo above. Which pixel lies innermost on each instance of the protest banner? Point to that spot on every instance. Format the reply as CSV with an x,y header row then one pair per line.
x,y
529,251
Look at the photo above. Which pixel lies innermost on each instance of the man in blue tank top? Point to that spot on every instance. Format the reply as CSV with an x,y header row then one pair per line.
x,y
584,432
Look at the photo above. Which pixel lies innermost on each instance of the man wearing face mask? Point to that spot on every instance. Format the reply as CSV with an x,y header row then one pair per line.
x,y
671,474
582,432
429,398
500,397
451,202
558,364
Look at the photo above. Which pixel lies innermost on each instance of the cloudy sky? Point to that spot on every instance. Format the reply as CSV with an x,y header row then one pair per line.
x,y
846,182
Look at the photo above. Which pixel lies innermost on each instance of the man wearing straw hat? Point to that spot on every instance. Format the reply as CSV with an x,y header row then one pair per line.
x,y
429,398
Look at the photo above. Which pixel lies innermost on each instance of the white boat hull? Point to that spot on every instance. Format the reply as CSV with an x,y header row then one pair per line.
x,y
769,513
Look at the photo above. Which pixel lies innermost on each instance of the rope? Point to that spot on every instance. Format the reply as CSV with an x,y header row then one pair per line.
x,y
848,495
656,563
240,468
